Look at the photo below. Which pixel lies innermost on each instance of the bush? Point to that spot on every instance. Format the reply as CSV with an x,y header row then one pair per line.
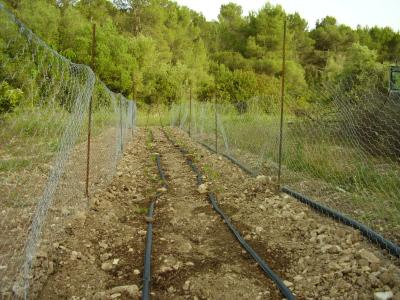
x,y
9,97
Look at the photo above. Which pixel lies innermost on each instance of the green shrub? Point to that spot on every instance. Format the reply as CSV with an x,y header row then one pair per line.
x,y
9,97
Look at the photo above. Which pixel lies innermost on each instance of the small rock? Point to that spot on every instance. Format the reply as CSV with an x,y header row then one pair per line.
x,y
386,277
105,256
51,267
202,189
262,207
162,190
288,283
142,232
131,290
186,285
171,290
107,266
136,272
115,296
103,245
298,278
99,296
148,219
383,295
369,256
74,255
119,174
259,229
262,179
164,269
115,261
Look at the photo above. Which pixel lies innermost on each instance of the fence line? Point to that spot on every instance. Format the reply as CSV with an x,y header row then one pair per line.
x,y
61,137
330,155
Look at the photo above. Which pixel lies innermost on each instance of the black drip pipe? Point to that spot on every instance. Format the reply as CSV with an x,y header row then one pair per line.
x,y
149,235
373,236
366,231
285,291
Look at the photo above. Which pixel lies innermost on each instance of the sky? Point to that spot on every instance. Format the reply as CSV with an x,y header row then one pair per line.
x,y
349,12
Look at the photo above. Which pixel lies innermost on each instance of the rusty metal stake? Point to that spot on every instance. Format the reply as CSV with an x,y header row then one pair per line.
x,y
120,123
88,149
190,109
216,123
282,101
90,114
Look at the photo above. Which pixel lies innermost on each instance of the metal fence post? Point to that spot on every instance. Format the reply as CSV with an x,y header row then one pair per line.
x,y
190,108
90,114
120,123
216,123
179,115
131,112
282,101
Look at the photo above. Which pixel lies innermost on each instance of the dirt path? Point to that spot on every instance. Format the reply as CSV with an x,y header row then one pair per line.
x,y
325,260
195,256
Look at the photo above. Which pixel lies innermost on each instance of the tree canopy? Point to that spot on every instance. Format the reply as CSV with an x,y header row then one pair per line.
x,y
154,50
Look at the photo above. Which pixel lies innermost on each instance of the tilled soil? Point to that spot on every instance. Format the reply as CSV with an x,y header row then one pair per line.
x,y
100,254
21,191
195,255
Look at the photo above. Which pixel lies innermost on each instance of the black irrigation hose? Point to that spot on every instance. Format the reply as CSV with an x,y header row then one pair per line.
x,y
373,236
366,231
149,234
160,170
213,200
263,265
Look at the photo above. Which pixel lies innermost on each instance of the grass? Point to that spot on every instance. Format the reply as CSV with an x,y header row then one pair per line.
x,y
32,136
153,117
14,164
142,210
211,172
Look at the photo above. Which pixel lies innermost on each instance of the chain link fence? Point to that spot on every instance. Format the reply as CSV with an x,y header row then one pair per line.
x,y
45,163
341,149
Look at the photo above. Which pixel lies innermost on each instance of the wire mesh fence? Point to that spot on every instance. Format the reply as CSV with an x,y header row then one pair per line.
x,y
45,104
342,149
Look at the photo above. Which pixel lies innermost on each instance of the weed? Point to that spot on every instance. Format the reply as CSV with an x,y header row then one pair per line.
x,y
142,210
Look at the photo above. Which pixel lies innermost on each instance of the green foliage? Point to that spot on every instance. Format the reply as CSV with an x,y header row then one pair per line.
x,y
155,51
9,97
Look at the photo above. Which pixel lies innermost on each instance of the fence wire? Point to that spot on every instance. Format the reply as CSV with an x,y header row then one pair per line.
x,y
44,126
341,149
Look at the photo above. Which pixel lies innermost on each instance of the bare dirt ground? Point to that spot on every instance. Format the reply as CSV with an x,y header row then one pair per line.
x,y
21,191
99,254
195,255
102,248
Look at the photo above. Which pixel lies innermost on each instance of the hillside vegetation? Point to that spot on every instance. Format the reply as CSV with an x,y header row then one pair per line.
x,y
153,50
